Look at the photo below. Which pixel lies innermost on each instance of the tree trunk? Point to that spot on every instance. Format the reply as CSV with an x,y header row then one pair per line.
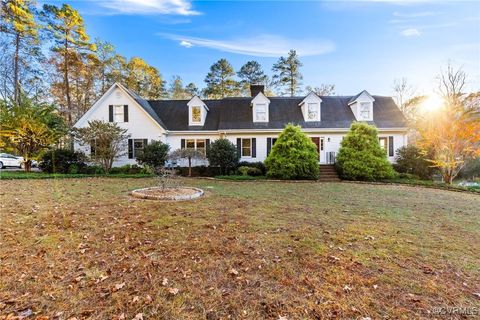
x,y
27,165
189,167
16,86
66,84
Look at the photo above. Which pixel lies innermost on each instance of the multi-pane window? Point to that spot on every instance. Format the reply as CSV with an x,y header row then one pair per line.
x,y
196,144
246,147
196,114
138,145
312,111
261,112
118,115
383,143
365,110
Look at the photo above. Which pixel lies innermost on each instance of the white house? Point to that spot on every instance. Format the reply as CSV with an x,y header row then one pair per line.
x,y
251,123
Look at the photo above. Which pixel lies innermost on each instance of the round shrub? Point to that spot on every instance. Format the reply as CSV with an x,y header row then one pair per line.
x,y
223,153
259,165
62,161
293,156
360,156
154,154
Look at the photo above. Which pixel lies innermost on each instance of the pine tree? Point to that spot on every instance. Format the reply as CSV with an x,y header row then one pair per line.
x,y
71,41
192,90
18,20
220,82
252,73
176,90
287,73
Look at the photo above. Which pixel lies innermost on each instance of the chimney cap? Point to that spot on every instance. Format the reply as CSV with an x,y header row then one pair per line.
x,y
256,89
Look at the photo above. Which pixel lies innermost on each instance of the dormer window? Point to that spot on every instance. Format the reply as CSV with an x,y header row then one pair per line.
x,y
365,110
313,111
311,107
196,114
362,106
261,112
260,108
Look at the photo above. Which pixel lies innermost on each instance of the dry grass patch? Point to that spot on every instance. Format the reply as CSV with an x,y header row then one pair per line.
x,y
83,248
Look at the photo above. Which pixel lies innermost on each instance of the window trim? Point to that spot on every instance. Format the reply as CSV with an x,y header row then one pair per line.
x,y
384,146
242,147
317,110
134,149
192,120
370,110
195,145
265,112
118,115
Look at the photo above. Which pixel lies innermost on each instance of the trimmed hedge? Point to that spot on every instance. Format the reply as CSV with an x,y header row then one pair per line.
x,y
62,161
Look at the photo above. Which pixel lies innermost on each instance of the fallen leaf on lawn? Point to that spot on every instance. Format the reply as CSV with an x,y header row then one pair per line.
x,y
148,299
25,313
173,291
164,282
282,318
233,271
135,299
138,316
369,238
119,286
375,286
477,294
333,259
347,288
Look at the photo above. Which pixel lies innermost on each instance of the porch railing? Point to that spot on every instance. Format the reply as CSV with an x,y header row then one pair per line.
x,y
331,157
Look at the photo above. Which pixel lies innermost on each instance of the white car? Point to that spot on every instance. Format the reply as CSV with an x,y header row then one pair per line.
x,y
8,160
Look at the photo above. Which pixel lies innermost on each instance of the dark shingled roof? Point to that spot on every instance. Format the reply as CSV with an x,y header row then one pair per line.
x,y
236,113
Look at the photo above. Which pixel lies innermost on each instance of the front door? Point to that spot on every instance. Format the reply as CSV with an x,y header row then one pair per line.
x,y
320,143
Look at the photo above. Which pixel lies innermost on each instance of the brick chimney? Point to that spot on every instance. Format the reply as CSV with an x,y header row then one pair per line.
x,y
256,88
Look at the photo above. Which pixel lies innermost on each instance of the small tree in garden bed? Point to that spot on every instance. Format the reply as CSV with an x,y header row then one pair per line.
x,y
154,155
107,140
293,156
189,154
360,156
223,153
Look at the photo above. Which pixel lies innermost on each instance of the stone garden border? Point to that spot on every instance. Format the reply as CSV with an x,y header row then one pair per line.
x,y
139,193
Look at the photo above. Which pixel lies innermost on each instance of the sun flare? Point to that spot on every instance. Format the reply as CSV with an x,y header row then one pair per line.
x,y
432,103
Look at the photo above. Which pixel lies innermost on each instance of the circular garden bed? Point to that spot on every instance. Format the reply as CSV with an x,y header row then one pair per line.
x,y
171,194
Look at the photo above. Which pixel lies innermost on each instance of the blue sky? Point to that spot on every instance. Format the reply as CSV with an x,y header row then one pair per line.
x,y
355,45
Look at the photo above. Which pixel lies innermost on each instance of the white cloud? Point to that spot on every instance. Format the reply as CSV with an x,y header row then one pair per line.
x,y
410,32
186,44
264,45
416,14
167,7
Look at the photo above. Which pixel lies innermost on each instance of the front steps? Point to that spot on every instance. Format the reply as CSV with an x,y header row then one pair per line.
x,y
328,173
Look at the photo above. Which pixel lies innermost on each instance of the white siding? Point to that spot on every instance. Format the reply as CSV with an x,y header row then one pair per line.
x,y
140,125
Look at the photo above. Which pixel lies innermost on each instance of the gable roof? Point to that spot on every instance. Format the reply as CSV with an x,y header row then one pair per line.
x,y
236,113
144,104
355,98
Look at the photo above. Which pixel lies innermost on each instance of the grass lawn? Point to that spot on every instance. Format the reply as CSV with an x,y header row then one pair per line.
x,y
247,250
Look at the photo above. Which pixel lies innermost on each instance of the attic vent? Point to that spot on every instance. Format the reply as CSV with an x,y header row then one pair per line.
x,y
118,95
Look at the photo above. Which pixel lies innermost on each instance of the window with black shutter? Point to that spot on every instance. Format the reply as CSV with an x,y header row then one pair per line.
x,y
391,148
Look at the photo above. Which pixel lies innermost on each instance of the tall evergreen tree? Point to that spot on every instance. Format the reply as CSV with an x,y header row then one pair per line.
x,y
192,90
287,74
252,73
144,79
220,81
18,20
71,41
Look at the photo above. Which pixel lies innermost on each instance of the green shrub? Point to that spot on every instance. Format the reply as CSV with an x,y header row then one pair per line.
x,y
249,171
128,169
360,156
62,161
223,153
410,159
293,156
259,165
95,169
471,170
154,154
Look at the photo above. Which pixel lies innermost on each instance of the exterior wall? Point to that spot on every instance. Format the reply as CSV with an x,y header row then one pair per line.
x,y
140,125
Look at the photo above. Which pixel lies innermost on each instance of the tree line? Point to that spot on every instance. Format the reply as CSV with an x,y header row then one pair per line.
x,y
46,54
